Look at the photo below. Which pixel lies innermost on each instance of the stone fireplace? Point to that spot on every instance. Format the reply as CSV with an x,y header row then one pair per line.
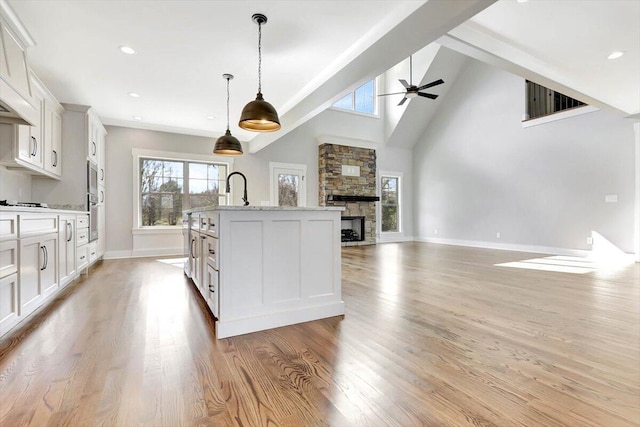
x,y
347,177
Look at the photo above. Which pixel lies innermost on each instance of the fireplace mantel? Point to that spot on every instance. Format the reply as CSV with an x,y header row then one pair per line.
x,y
339,198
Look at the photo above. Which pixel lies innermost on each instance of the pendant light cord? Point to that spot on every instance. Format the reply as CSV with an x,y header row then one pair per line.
x,y
259,57
228,103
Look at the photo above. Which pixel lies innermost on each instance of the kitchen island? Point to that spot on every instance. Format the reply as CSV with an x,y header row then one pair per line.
x,y
264,267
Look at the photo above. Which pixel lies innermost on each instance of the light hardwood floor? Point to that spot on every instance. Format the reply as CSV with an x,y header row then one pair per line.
x,y
433,335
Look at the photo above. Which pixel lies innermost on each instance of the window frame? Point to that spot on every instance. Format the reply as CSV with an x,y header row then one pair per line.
x,y
399,177
273,191
137,155
352,110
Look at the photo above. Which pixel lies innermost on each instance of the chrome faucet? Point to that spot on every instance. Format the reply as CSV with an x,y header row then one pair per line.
x,y
246,202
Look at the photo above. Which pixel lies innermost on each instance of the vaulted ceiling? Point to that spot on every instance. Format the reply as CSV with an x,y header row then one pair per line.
x,y
313,51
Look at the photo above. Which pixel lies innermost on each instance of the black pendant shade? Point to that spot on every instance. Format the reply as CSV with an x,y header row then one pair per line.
x,y
259,115
227,144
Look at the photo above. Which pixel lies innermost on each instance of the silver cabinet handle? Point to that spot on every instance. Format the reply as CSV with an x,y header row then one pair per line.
x,y
44,262
35,146
69,231
55,157
95,148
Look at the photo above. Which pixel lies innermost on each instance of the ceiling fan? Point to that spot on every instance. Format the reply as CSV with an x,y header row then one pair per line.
x,y
412,90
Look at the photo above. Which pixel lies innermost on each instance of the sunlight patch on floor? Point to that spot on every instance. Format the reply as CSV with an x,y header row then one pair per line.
x,y
176,262
559,264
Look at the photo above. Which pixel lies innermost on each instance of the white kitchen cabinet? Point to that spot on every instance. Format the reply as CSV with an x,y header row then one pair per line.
x,y
67,249
52,136
102,224
9,311
211,295
37,148
38,271
82,242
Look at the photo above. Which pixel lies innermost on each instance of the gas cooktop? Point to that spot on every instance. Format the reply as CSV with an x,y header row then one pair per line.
x,y
23,204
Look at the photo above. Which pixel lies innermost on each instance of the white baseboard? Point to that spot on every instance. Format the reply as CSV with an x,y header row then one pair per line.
x,y
143,253
507,246
394,238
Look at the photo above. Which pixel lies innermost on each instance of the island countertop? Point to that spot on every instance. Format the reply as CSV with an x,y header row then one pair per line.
x,y
263,208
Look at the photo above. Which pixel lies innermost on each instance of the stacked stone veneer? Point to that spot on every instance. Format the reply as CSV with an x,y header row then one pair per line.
x,y
331,157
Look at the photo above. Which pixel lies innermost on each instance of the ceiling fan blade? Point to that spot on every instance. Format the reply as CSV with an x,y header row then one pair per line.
x,y
387,94
402,101
428,95
428,85
404,83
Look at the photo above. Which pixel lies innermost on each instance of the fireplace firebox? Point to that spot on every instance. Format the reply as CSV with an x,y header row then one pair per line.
x,y
352,229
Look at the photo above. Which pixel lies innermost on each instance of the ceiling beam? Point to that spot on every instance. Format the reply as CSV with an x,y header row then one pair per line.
x,y
425,25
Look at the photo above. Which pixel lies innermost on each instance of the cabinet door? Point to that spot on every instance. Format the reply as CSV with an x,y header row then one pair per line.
x,y
212,290
52,125
31,261
15,70
92,147
67,250
30,143
195,257
9,313
102,226
49,274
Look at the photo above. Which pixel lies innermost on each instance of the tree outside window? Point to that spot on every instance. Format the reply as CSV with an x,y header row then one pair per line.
x,y
169,186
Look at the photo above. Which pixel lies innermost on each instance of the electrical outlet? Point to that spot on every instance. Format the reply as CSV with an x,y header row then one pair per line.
x,y
498,235
435,231
589,240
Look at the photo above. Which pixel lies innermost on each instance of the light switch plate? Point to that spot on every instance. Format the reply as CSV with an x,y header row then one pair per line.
x,y
611,198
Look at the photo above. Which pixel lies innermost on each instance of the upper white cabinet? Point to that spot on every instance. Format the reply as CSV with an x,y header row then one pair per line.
x,y
37,148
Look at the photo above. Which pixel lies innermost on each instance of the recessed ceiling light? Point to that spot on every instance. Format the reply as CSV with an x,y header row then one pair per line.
x,y
134,95
522,1
137,118
211,117
614,55
126,49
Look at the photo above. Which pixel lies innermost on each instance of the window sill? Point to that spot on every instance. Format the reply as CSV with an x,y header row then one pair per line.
x,y
357,113
173,229
559,116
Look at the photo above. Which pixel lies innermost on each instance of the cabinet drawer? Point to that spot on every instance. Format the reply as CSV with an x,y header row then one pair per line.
x,y
209,225
8,226
8,257
212,247
37,224
83,236
83,221
93,252
83,257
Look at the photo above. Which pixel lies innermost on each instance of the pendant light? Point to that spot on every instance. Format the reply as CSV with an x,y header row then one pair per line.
x,y
228,145
259,115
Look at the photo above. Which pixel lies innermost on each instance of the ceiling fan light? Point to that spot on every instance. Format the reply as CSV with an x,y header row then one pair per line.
x,y
228,145
411,94
259,116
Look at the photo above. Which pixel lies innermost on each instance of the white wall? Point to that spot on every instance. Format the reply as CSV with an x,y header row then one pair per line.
x,y
478,172
298,146
15,185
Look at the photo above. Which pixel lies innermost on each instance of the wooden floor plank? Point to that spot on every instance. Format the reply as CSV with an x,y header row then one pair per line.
x,y
433,335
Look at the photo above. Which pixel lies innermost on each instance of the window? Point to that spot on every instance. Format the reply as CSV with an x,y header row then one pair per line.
x,y
542,101
288,186
390,203
361,100
168,186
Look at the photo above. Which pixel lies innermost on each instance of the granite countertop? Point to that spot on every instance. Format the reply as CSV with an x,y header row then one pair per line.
x,y
264,208
21,209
